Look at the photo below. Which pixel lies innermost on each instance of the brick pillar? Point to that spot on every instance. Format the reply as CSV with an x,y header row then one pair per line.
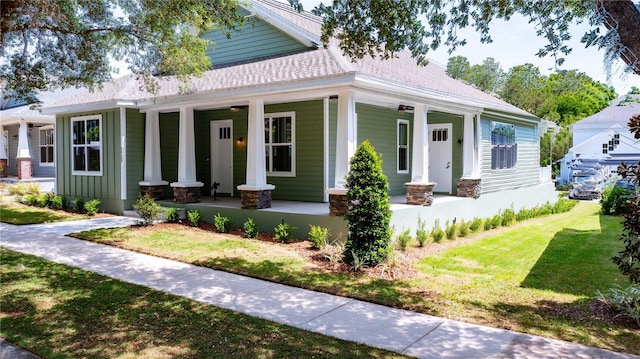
x,y
257,199
469,187
156,192
24,168
3,166
186,194
338,204
420,194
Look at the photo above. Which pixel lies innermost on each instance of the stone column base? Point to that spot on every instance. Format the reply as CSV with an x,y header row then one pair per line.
x,y
420,194
255,199
156,192
3,167
186,194
469,187
338,204
24,168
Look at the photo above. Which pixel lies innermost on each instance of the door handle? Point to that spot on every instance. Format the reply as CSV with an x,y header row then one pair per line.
x,y
448,165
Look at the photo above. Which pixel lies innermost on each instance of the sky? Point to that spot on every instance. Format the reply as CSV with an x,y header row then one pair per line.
x,y
515,43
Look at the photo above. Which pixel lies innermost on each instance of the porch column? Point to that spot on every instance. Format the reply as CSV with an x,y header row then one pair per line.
x,y
420,190
3,153
469,183
24,155
256,193
187,189
346,143
152,183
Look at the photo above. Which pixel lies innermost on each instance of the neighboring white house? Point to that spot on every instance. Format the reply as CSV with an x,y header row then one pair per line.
x,y
602,141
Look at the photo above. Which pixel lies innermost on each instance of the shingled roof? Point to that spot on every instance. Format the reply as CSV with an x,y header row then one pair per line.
x,y
302,68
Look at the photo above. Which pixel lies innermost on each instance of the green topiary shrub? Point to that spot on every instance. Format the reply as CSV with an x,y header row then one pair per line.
x,y
250,228
369,211
403,239
463,228
436,232
476,224
172,214
284,232
194,217
222,223
318,236
422,235
147,208
92,207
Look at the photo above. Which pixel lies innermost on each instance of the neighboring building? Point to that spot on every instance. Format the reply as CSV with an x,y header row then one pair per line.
x,y
280,116
603,141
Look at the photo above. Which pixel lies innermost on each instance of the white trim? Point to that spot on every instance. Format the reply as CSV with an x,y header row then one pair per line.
x,y
406,147
52,145
123,153
325,149
289,28
266,187
100,135
291,173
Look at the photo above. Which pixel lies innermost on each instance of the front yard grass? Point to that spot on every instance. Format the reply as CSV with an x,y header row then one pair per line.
x,y
62,312
537,277
16,213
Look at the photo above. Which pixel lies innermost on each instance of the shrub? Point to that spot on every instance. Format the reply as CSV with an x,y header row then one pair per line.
x,y
524,214
436,232
369,211
222,223
21,189
508,217
495,221
614,199
422,235
77,204
626,301
318,236
172,214
284,232
403,239
57,202
333,252
147,208
451,230
92,206
476,224
564,205
463,228
42,199
194,217
29,199
250,228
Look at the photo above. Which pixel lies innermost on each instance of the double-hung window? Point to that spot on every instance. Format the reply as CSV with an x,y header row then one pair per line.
x,y
279,139
86,145
403,146
504,149
46,146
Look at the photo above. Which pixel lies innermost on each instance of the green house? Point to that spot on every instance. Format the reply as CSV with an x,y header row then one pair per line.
x,y
278,118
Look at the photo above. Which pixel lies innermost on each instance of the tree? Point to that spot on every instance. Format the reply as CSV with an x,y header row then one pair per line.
x,y
46,44
487,76
366,27
559,147
522,87
369,210
458,67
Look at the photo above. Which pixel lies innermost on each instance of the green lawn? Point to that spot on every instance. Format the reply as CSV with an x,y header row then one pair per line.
x,y
16,213
61,312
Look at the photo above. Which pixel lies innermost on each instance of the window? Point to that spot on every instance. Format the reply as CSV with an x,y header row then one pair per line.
x,y
403,146
86,147
279,138
504,149
46,146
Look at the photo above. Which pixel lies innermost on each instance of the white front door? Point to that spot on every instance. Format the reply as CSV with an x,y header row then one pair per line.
x,y
440,156
222,156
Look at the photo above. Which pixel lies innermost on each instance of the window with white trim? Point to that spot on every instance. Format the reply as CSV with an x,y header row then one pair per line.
x,y
46,145
403,146
279,139
504,149
86,145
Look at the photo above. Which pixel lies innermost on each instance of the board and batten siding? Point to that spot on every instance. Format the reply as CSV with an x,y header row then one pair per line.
x,y
256,39
527,169
135,155
456,148
106,187
379,126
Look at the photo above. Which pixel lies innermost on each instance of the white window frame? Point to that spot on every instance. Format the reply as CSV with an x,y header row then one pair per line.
x,y
399,146
52,145
87,145
269,145
6,146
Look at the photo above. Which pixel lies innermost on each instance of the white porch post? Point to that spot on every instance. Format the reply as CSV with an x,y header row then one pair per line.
x,y
468,145
477,164
420,190
152,183
346,143
256,193
3,153
187,189
420,152
24,155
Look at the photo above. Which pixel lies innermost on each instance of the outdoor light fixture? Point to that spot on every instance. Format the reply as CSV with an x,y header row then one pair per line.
x,y
240,141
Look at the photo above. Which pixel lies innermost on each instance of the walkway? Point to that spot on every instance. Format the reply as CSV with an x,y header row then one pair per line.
x,y
402,331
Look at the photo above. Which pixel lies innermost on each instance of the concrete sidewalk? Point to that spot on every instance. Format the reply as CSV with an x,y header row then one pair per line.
x,y
402,331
